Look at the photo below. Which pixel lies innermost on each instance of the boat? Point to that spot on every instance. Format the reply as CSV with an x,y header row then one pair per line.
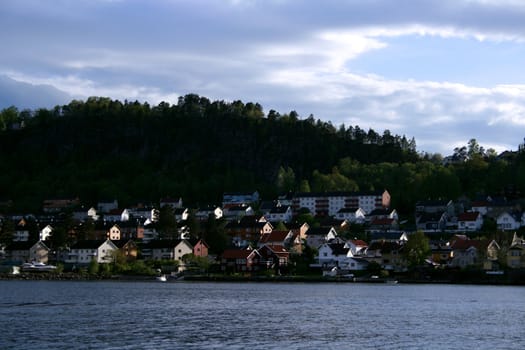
x,y
36,266
161,278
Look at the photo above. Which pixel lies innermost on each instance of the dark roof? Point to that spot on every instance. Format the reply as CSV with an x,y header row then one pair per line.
x,y
162,243
318,231
377,212
338,194
385,246
21,245
237,253
122,242
348,210
469,216
274,236
433,203
88,244
279,210
338,248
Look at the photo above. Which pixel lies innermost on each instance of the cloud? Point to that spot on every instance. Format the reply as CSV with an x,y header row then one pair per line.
x,y
320,58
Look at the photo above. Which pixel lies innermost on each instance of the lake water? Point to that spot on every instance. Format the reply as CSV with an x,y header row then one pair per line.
x,y
183,315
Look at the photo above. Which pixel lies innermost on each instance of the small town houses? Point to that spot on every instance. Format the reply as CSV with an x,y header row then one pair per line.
x,y
266,236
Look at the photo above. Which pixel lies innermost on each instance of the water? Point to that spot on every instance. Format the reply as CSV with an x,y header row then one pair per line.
x,y
133,315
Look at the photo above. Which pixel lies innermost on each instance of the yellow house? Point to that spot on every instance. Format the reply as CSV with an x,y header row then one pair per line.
x,y
516,256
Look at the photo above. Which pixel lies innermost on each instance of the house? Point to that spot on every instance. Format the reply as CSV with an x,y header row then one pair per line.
x,y
83,252
237,198
388,254
516,257
128,248
382,213
45,233
470,221
508,221
173,203
276,237
181,214
238,211
274,257
114,233
58,205
319,235
332,254
384,224
247,230
282,213
480,206
435,206
341,256
356,246
492,256
25,251
428,222
353,215
204,213
466,252
82,214
441,253
299,229
329,203
167,249
117,215
21,233
200,247
149,232
143,212
240,260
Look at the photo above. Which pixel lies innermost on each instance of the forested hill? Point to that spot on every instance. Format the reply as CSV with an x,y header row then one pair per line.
x,y
197,149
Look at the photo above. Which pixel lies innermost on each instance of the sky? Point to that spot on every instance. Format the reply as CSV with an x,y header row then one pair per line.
x,y
441,71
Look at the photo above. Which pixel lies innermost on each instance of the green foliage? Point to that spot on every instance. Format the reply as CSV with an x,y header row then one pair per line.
x,y
416,249
93,267
198,149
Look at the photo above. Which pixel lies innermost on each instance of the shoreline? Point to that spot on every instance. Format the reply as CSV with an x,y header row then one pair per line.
x,y
68,276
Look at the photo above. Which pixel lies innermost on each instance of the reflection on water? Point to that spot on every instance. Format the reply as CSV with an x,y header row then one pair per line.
x,y
129,315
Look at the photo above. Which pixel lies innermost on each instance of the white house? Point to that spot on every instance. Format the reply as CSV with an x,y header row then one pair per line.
x,y
83,252
353,215
167,249
508,221
117,215
281,213
320,235
202,214
339,255
45,232
470,221
356,246
82,215
181,214
238,211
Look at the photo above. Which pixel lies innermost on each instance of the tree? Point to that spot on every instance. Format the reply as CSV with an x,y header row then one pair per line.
x,y
416,249
285,181
7,231
167,224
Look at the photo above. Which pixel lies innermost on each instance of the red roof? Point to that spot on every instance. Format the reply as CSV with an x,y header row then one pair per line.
x,y
274,236
359,242
236,253
463,244
469,216
382,221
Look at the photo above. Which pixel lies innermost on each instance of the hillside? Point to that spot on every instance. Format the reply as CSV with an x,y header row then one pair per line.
x,y
198,149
